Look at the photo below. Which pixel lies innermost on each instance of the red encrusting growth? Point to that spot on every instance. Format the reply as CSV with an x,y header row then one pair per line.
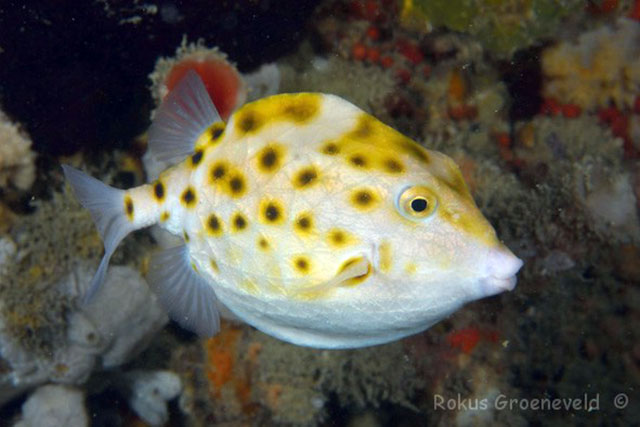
x,y
411,51
467,339
359,51
618,122
221,79
602,7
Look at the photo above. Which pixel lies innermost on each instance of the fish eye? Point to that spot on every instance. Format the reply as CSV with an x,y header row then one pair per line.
x,y
417,203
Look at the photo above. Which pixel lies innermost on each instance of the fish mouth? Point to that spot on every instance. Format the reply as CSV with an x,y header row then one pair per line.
x,y
494,285
503,266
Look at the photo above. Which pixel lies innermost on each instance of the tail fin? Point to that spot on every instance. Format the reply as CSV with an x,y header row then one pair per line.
x,y
106,207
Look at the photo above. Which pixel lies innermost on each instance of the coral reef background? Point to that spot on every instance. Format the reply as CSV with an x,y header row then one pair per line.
x,y
537,101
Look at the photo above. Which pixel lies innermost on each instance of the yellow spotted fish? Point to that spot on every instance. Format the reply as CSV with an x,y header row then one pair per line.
x,y
306,217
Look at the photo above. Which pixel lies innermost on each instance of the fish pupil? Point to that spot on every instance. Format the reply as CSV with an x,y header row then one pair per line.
x,y
419,204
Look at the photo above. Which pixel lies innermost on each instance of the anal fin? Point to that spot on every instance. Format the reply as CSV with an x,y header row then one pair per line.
x,y
186,296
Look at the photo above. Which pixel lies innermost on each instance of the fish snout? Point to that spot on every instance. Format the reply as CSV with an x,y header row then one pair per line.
x,y
502,267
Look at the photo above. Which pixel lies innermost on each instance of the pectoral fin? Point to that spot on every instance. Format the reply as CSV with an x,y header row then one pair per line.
x,y
352,272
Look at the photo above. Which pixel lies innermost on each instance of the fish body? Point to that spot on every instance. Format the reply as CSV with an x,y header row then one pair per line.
x,y
307,218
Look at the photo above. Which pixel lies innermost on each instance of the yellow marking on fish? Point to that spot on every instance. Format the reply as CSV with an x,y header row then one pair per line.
x,y
234,255
364,199
410,268
297,108
211,136
271,212
237,184
358,279
375,133
300,108
330,149
214,225
305,177
188,197
214,265
164,216
302,264
238,222
270,158
194,267
384,253
185,236
128,207
392,165
196,157
218,171
228,179
250,286
454,180
339,238
263,243
216,131
158,191
303,224
474,225
359,161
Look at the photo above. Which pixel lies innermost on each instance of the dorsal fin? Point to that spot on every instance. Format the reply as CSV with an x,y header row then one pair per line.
x,y
184,115
357,268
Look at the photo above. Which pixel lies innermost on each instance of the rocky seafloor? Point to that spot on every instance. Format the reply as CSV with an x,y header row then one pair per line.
x,y
537,101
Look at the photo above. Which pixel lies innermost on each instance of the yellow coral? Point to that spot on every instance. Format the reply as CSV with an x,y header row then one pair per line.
x,y
603,67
